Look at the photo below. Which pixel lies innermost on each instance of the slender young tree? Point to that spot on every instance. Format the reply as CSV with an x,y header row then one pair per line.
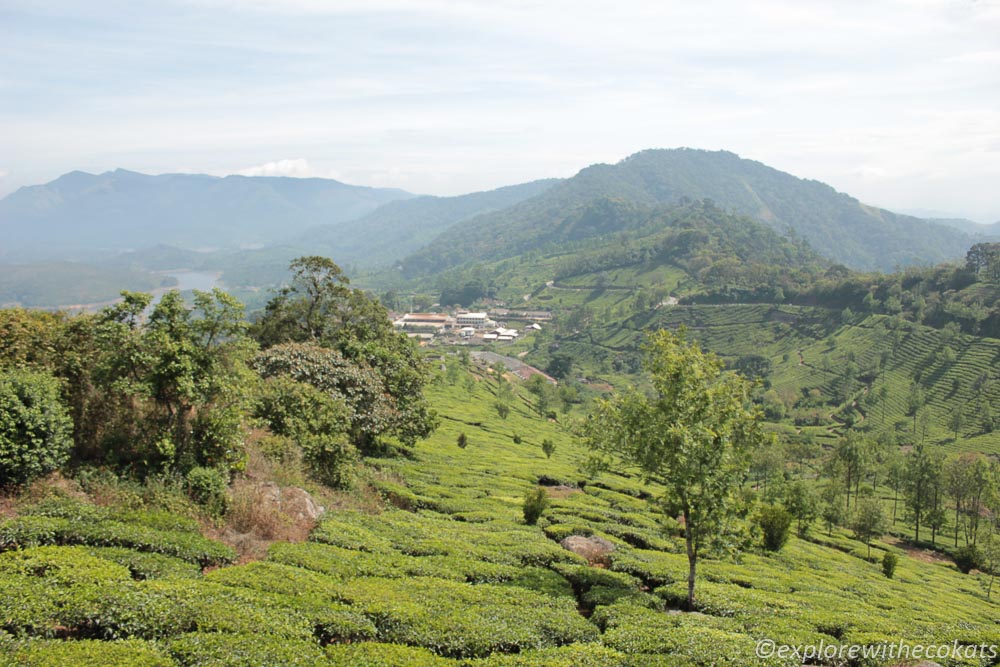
x,y
694,435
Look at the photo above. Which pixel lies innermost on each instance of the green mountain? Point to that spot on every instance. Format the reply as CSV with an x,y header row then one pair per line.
x,y
836,225
82,215
399,228
68,284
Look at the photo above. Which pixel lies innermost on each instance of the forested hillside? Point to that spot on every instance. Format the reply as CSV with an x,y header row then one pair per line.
x,y
399,228
82,215
836,225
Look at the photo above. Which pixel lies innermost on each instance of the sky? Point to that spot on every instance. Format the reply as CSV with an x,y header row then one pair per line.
x,y
895,102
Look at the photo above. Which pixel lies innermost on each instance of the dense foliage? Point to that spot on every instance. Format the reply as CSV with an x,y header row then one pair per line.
x,y
35,427
350,331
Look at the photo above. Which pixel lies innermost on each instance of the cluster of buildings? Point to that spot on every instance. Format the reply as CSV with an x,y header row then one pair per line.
x,y
465,326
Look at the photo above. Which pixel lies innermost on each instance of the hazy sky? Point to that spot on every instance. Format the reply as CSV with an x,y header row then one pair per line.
x,y
897,103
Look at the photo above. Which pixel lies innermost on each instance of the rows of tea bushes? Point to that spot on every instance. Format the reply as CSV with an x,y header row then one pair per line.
x,y
448,574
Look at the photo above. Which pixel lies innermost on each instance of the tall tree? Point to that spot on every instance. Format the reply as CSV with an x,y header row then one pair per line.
x,y
694,435
920,484
321,308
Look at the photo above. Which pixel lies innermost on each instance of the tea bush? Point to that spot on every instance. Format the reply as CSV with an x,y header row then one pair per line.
x,y
461,620
212,649
374,654
85,653
29,531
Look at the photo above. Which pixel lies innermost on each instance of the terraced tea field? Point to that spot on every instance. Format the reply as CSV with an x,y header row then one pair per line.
x,y
448,573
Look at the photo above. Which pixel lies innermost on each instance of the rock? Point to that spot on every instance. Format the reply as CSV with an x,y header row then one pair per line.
x,y
298,503
291,501
594,549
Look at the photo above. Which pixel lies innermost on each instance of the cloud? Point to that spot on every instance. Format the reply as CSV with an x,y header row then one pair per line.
x,y
296,168
4,173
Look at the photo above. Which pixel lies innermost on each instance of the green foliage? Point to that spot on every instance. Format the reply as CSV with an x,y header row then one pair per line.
x,y
535,502
548,447
207,487
87,653
869,521
775,522
374,368
217,649
175,382
460,620
31,531
695,437
967,558
35,428
889,562
374,654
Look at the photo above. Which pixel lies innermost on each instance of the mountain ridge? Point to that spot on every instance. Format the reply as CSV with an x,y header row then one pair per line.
x,y
80,214
836,224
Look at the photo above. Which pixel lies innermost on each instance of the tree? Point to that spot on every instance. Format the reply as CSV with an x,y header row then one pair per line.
x,y
694,436
991,557
889,562
956,422
535,502
35,428
176,381
320,308
463,440
919,485
869,522
775,522
548,447
802,504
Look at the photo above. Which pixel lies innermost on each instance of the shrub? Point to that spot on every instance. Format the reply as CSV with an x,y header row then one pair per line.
x,y
516,438
775,521
463,440
28,531
207,487
204,649
548,447
535,502
88,653
35,429
463,620
319,421
889,561
373,654
967,559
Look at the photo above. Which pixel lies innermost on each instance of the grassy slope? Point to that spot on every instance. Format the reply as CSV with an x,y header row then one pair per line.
x,y
458,573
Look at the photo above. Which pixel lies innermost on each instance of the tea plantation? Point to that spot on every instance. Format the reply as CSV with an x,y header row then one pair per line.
x,y
448,573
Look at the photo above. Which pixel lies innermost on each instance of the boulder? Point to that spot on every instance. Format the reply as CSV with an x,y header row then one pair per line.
x,y
595,549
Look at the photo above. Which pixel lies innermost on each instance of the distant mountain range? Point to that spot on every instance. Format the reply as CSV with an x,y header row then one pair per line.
x,y
401,227
81,215
835,224
253,225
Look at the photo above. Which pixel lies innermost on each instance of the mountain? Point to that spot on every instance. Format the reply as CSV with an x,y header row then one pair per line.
x,y
975,229
835,224
398,228
82,215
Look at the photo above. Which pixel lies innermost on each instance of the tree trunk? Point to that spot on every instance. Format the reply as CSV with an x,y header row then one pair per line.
x,y
958,507
692,554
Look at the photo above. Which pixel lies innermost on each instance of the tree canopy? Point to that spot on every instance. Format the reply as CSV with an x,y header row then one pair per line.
x,y
694,435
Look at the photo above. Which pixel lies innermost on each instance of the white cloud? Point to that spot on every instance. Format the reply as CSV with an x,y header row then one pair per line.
x,y
4,173
297,168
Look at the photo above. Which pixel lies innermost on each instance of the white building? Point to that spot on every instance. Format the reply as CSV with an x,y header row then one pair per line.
x,y
476,320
